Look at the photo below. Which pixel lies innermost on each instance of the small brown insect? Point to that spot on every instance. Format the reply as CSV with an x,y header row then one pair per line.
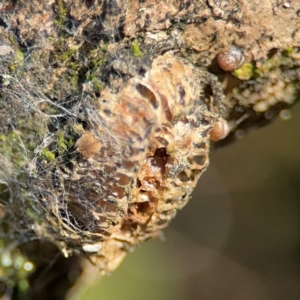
x,y
230,59
220,130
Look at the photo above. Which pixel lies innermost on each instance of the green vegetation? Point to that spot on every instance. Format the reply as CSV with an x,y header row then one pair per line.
x,y
135,46
48,155
274,62
62,12
14,268
63,143
245,72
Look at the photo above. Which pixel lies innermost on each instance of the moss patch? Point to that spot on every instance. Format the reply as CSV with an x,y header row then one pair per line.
x,y
62,13
135,47
245,72
48,155
64,143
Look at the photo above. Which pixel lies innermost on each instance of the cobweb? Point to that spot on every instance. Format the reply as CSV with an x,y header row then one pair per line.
x,y
42,90
101,142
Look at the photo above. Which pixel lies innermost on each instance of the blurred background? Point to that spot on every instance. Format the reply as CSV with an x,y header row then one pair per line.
x,y
239,236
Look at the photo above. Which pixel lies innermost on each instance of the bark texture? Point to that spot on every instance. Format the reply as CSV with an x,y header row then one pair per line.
x,y
108,111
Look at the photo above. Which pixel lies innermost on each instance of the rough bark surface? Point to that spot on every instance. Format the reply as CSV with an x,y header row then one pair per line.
x,y
108,110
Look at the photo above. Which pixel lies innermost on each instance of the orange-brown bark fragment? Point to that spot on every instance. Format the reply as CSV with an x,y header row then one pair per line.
x,y
88,146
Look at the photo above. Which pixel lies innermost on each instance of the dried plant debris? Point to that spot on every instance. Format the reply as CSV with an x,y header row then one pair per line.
x,y
108,110
136,161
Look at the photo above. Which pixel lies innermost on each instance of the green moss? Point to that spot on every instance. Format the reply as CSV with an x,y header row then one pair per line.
x,y
73,66
97,63
61,142
19,57
135,47
11,39
87,185
48,155
64,143
12,67
262,69
94,76
17,61
283,58
62,13
97,58
70,143
245,72
97,84
103,47
19,140
265,68
10,147
61,9
286,52
74,82
67,54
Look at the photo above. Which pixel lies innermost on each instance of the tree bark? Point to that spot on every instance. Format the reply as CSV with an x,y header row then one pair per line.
x,y
108,112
